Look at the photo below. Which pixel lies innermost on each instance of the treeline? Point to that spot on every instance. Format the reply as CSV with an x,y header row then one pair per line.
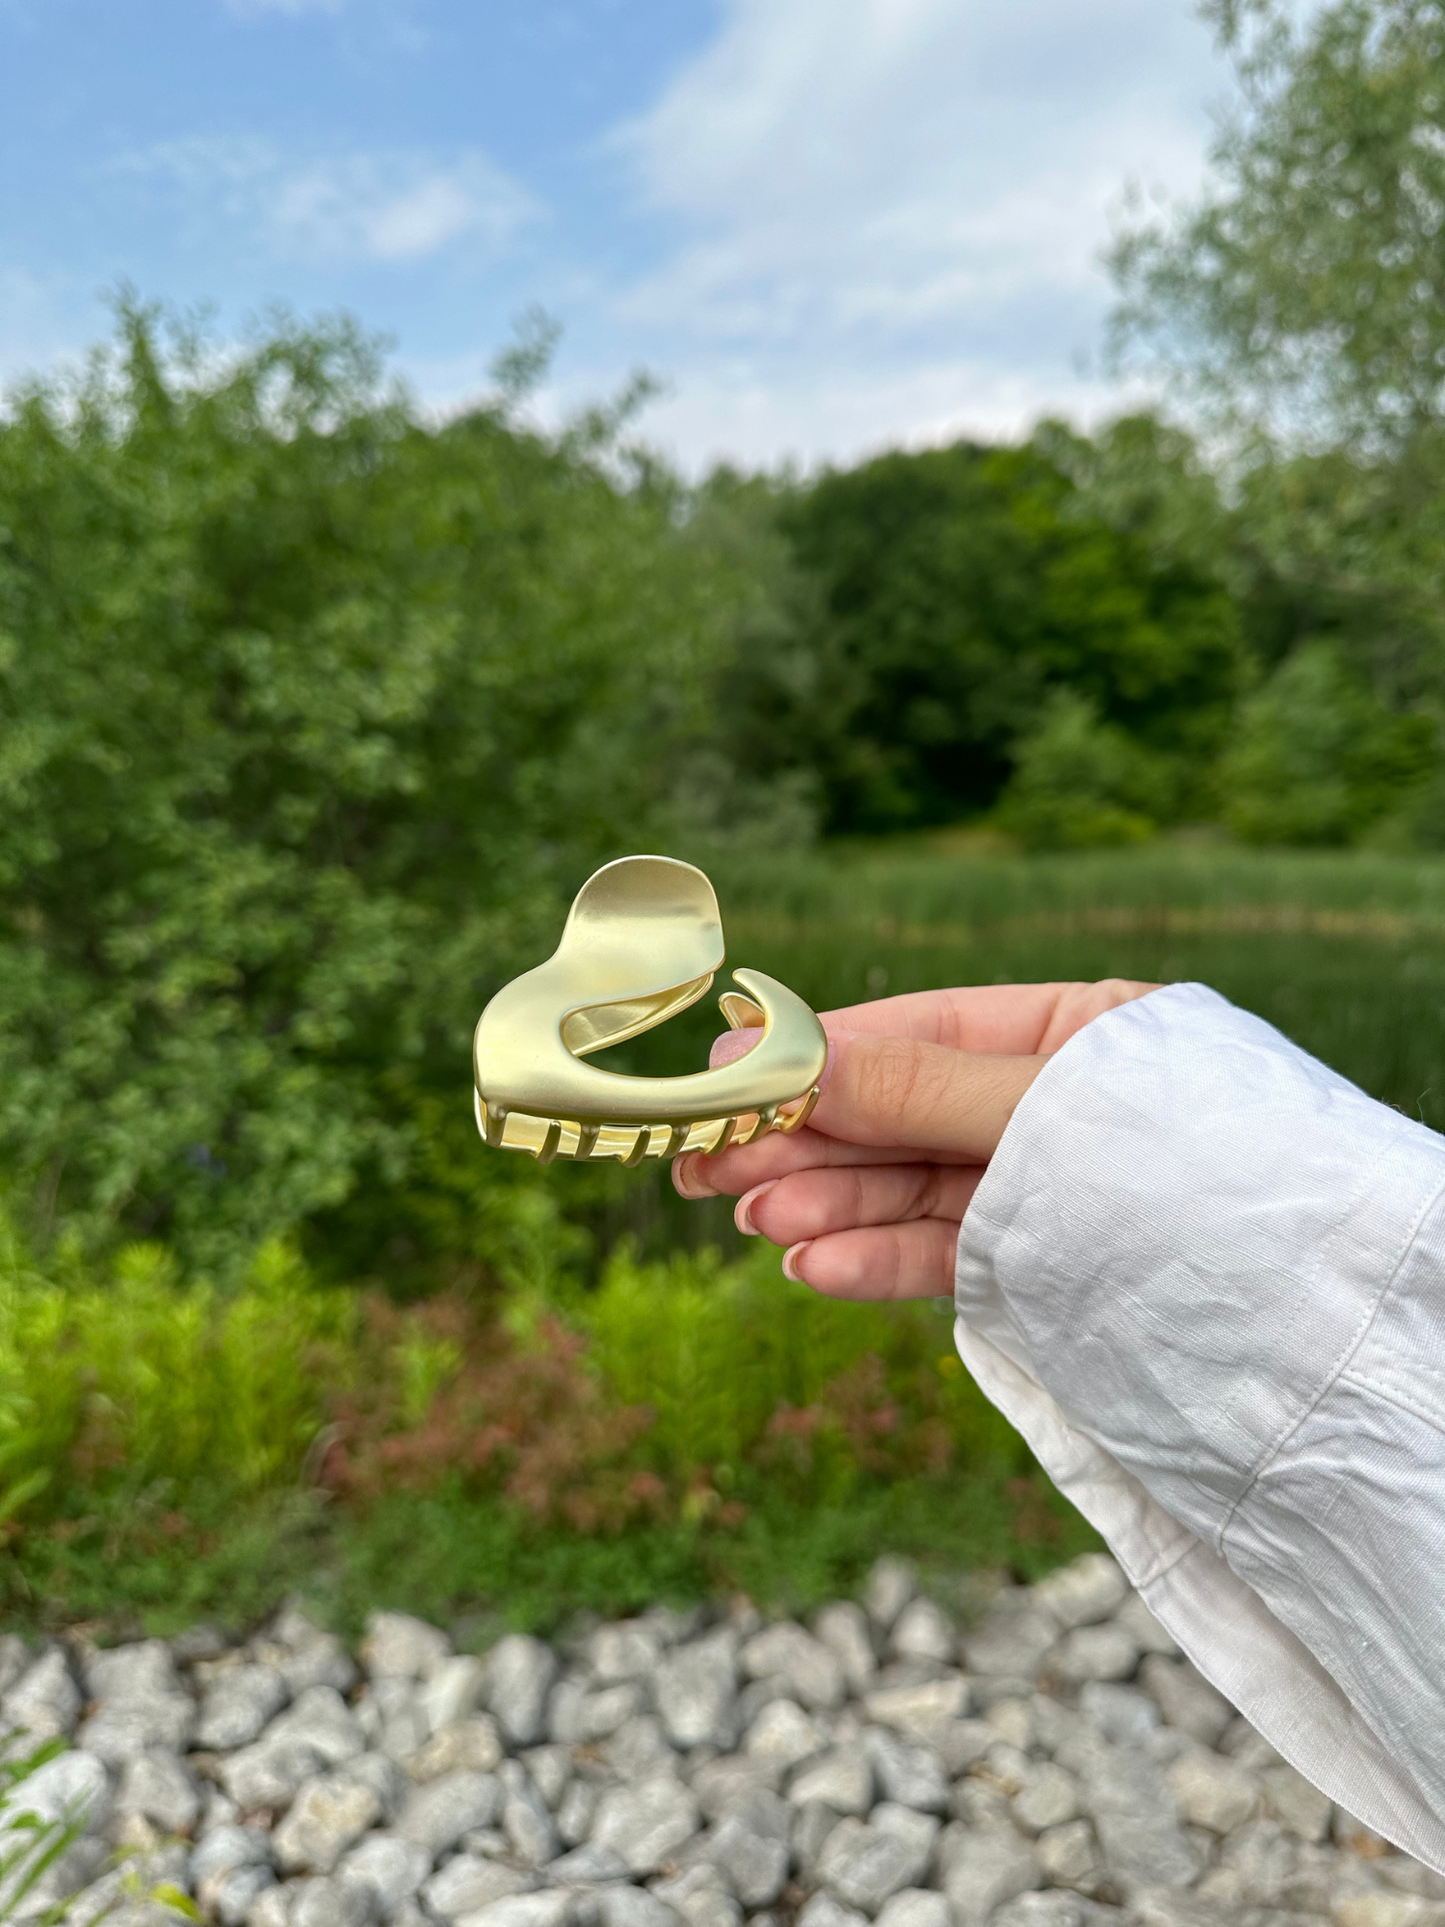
x,y
314,712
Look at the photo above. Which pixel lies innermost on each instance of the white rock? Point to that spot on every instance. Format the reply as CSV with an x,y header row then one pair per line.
x,y
453,1690
123,1674
630,1650
437,1815
783,1731
863,1864
237,1705
696,1691
1066,1854
385,1778
268,1773
842,1779
1299,1806
520,1674
72,1783
911,1775
746,1784
467,1883
1013,1639
121,1728
1385,1910
157,1785
473,1743
586,1865
576,1714
1149,1636
576,1813
1048,1798
327,1816
812,1673
233,1897
1213,1792
646,1823
394,1868
549,1909
1121,1713
1084,1592
1106,1652
915,1907
756,1864
924,1631
1185,1699
45,1701
984,1866
633,1907
922,1713
889,1588
526,1821
401,1647
15,1658
700,1897
324,1902
844,1630
322,1720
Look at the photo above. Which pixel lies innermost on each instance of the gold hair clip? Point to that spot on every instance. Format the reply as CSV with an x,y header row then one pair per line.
x,y
642,941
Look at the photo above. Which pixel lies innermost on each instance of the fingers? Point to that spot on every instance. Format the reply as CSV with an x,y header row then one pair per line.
x,y
1013,1019
732,1172
810,1204
912,1260
892,1091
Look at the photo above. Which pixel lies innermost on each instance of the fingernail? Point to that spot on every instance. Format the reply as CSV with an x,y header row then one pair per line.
x,y
687,1177
732,1045
790,1261
743,1215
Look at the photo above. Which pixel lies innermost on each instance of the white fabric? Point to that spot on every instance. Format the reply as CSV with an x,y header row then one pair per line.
x,y
1205,1278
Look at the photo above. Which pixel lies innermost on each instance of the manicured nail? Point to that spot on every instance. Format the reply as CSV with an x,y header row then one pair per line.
x,y
688,1178
743,1215
790,1261
732,1045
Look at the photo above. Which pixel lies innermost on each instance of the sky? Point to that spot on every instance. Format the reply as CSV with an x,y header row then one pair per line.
x,y
825,226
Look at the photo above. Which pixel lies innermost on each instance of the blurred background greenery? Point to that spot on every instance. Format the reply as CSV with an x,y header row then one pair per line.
x,y
315,711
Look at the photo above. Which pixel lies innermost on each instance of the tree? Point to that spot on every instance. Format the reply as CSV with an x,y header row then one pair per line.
x,y
312,716
953,589
1306,287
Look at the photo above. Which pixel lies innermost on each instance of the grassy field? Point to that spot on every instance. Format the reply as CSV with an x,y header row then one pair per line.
x,y
790,1440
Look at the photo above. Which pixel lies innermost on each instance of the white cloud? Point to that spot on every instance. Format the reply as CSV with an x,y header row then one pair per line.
x,y
900,204
391,206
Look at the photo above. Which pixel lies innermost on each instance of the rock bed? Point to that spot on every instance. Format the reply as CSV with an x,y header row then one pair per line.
x,y
1059,1765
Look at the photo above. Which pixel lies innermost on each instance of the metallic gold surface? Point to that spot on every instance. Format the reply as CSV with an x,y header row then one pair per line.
x,y
643,940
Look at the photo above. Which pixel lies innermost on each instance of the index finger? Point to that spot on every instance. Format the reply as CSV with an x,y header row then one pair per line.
x,y
1016,1020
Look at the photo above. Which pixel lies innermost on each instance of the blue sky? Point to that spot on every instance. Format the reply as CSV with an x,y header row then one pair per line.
x,y
827,225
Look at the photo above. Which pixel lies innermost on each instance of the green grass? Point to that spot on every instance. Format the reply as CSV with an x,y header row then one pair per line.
x,y
173,1433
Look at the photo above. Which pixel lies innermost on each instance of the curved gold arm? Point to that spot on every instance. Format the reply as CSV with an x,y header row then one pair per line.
x,y
642,941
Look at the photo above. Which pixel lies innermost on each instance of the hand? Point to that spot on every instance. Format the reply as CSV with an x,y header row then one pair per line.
x,y
868,1197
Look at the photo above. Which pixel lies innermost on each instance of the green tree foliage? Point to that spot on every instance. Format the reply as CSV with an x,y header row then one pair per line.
x,y
954,588
1310,277
312,714
1317,758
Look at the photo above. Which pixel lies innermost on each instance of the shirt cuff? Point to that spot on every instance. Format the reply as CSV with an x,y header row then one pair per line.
x,y
1191,1243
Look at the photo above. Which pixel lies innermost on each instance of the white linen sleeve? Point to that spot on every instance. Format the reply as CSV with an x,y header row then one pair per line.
x,y
1205,1277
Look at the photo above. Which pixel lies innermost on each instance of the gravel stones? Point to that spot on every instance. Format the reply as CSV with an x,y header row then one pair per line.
x,y
44,1701
646,1825
696,1691
811,1674
400,1647
437,1815
1058,1765
329,1815
519,1676
238,1704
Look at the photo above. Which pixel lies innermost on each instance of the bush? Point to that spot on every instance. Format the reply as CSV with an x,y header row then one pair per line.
x,y
313,715
1317,758
1081,784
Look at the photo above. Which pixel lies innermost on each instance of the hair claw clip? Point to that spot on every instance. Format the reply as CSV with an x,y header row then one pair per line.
x,y
643,941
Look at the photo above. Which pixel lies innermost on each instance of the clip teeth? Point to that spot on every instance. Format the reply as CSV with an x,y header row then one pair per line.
x,y
548,1138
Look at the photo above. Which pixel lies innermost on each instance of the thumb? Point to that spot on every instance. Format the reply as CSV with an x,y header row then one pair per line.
x,y
896,1091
